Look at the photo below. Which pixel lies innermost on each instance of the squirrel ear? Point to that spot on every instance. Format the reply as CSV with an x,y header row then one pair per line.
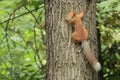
x,y
81,14
74,13
68,11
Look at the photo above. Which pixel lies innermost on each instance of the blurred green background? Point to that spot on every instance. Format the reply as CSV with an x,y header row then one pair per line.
x,y
22,39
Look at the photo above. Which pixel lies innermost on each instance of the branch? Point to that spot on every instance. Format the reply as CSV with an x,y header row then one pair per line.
x,y
21,14
35,41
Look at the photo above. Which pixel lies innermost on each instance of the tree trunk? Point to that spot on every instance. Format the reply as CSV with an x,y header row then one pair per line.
x,y
65,60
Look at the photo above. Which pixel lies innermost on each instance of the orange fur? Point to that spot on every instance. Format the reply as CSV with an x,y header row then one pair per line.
x,y
81,35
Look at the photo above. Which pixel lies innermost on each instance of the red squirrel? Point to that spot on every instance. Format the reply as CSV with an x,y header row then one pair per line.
x,y
81,35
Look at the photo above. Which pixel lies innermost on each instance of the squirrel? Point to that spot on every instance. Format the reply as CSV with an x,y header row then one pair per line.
x,y
81,35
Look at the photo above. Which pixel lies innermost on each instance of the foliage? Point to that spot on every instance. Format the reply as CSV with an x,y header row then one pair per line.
x,y
108,18
22,49
22,39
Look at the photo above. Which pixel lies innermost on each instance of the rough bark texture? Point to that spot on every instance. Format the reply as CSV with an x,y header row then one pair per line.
x,y
65,60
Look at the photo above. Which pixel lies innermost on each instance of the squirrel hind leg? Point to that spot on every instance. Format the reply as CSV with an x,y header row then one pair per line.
x,y
76,39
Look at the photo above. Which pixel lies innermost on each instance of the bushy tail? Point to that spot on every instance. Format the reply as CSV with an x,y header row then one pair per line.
x,y
90,56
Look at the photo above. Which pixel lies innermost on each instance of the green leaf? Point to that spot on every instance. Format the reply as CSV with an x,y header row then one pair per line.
x,y
117,56
117,8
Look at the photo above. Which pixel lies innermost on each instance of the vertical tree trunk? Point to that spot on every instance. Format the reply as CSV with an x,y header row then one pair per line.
x,y
65,60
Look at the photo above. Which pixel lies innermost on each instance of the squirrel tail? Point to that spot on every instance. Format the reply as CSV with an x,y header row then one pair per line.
x,y
90,56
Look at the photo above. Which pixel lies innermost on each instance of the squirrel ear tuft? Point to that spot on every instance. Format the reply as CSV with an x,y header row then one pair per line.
x,y
74,13
81,14
68,11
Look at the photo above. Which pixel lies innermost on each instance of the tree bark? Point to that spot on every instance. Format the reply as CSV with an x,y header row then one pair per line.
x,y
66,60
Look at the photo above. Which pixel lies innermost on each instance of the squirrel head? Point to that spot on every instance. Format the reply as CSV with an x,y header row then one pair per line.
x,y
71,17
